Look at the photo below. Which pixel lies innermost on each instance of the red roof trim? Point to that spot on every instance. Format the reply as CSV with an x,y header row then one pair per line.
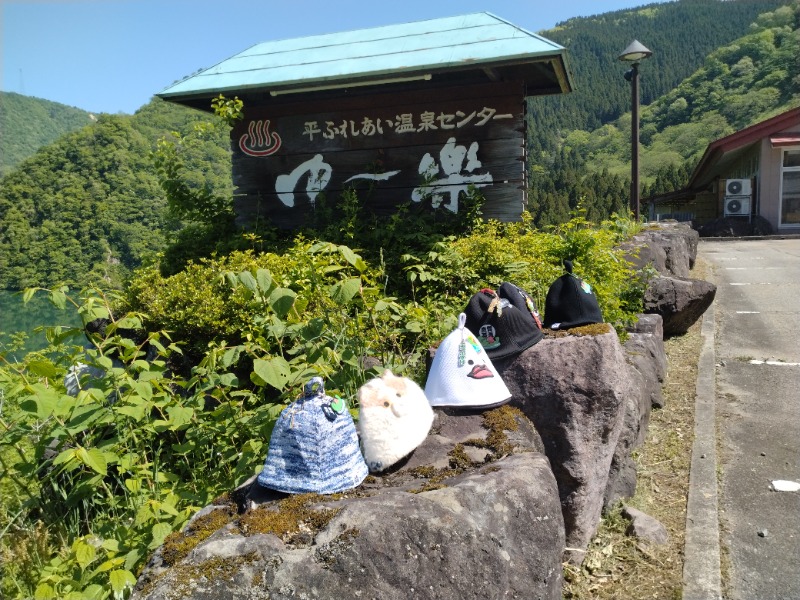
x,y
785,139
744,137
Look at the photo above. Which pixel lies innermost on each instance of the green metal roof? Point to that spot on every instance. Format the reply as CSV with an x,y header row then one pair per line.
x,y
423,49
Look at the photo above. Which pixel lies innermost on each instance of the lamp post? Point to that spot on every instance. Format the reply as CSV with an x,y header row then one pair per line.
x,y
633,54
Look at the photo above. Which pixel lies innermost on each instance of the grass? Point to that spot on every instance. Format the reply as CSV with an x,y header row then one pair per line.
x,y
618,566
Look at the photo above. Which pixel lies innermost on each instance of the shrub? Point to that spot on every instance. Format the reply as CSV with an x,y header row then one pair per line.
x,y
192,370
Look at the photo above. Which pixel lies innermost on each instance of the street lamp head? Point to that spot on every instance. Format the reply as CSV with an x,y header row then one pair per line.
x,y
635,52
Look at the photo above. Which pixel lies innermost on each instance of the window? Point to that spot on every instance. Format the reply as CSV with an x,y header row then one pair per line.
x,y
790,188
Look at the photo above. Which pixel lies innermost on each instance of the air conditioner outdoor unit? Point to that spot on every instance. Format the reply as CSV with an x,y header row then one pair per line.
x,y
737,206
738,187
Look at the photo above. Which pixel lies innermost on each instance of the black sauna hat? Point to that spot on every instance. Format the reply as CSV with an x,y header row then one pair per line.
x,y
570,302
503,321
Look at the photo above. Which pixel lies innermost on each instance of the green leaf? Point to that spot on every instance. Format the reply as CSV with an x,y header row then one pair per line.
x,y
231,356
179,416
185,447
281,301
351,358
29,293
84,553
108,565
136,411
129,323
168,506
353,258
344,291
265,282
44,591
43,368
145,390
85,416
65,456
160,531
132,558
143,514
59,299
415,326
121,579
274,372
93,592
229,380
94,459
94,311
48,401
246,277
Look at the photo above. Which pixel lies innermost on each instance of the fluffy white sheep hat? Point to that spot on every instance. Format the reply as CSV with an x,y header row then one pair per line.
x,y
462,374
395,417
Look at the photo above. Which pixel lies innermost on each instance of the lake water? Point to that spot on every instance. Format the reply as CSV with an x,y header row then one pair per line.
x,y
16,316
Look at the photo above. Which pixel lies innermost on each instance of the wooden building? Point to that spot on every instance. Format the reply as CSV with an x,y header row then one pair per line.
x,y
754,172
410,114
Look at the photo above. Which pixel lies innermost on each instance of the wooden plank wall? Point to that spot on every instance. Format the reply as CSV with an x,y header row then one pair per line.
x,y
418,146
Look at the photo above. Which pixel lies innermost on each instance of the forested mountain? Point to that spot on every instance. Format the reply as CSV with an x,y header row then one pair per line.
x,y
747,80
751,79
27,124
680,34
89,206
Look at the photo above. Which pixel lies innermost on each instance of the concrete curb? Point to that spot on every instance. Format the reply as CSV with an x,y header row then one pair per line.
x,y
701,568
752,238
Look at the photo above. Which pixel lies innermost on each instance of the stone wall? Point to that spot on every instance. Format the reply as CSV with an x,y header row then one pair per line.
x,y
490,504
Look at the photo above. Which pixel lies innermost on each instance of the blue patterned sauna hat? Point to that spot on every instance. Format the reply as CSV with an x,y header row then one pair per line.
x,y
314,446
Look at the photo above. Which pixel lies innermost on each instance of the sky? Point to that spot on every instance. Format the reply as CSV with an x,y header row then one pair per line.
x,y
112,56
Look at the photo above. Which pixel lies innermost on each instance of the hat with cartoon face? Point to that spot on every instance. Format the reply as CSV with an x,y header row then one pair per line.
x,y
506,322
394,419
570,302
314,446
462,374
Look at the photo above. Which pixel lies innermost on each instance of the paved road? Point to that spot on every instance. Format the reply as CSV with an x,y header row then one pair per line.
x,y
757,345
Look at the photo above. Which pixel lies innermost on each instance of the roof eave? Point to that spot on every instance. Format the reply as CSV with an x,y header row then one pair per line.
x,y
740,139
555,59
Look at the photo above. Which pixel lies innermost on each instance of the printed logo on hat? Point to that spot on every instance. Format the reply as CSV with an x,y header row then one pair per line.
x,y
487,335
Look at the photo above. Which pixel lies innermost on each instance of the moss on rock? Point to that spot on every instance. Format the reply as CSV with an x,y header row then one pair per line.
x,y
292,517
178,544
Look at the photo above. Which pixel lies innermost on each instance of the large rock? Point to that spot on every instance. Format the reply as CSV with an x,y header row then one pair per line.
x,y
472,513
647,360
669,247
680,301
641,253
574,388
645,352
